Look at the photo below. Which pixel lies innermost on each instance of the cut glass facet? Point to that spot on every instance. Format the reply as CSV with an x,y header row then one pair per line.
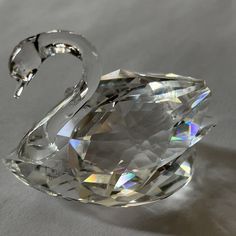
x,y
129,144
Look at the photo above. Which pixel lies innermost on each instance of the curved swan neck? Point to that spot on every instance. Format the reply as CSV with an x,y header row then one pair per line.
x,y
30,53
24,63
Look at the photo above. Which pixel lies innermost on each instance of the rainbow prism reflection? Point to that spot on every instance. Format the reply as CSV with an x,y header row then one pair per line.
x,y
185,131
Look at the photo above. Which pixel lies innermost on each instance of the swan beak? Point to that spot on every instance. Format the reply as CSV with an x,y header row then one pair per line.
x,y
20,89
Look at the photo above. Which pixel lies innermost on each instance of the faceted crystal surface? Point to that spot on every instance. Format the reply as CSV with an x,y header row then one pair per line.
x,y
129,144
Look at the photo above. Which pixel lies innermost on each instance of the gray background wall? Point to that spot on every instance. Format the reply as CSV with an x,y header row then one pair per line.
x,y
188,37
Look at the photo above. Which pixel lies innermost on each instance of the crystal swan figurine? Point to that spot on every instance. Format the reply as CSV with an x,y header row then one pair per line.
x,y
121,139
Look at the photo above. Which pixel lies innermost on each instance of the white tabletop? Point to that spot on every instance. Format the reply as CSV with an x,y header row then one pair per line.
x,y
188,37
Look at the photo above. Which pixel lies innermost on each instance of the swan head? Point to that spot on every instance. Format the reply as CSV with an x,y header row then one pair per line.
x,y
24,63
